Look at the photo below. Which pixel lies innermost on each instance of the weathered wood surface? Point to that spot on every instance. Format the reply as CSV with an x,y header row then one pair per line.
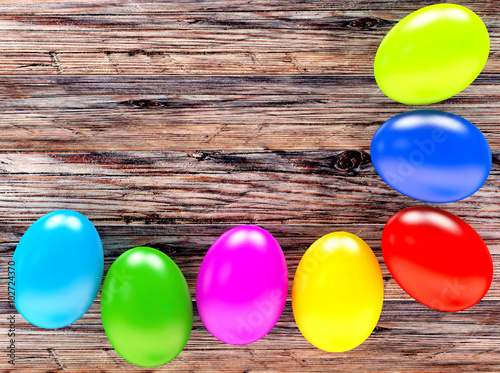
x,y
409,338
203,37
269,187
169,122
213,112
181,202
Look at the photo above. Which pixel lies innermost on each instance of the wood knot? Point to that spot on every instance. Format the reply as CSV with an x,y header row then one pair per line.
x,y
142,103
200,156
350,160
367,23
165,248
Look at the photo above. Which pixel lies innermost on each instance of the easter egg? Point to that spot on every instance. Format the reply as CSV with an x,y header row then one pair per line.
x,y
338,292
431,54
242,285
437,258
432,156
58,269
146,307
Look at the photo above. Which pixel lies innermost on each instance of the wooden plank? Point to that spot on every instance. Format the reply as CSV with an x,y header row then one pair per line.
x,y
152,6
322,187
291,112
141,62
242,32
409,336
337,40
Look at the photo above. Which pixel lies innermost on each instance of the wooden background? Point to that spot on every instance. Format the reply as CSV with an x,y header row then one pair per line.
x,y
168,122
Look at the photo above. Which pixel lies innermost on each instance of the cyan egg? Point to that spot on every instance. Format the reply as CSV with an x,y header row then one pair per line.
x,y
58,269
431,155
146,307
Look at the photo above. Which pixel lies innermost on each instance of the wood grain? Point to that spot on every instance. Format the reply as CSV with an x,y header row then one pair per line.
x,y
275,187
200,37
418,339
169,122
213,112
180,202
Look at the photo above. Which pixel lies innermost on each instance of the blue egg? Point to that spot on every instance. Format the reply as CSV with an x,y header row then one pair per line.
x,y
431,155
58,269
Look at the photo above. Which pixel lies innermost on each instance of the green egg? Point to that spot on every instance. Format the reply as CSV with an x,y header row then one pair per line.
x,y
432,54
146,307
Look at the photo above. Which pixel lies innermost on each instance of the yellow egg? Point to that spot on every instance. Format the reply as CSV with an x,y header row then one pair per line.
x,y
338,292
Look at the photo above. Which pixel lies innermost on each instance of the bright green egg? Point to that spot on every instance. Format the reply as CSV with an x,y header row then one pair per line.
x,y
432,54
146,307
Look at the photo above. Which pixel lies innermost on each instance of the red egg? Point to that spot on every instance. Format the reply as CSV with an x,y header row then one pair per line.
x,y
437,258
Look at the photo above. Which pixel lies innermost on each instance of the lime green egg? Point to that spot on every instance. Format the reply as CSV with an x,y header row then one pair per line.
x,y
432,54
146,307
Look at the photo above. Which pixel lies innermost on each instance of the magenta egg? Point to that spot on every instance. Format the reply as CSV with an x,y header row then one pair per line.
x,y
242,285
